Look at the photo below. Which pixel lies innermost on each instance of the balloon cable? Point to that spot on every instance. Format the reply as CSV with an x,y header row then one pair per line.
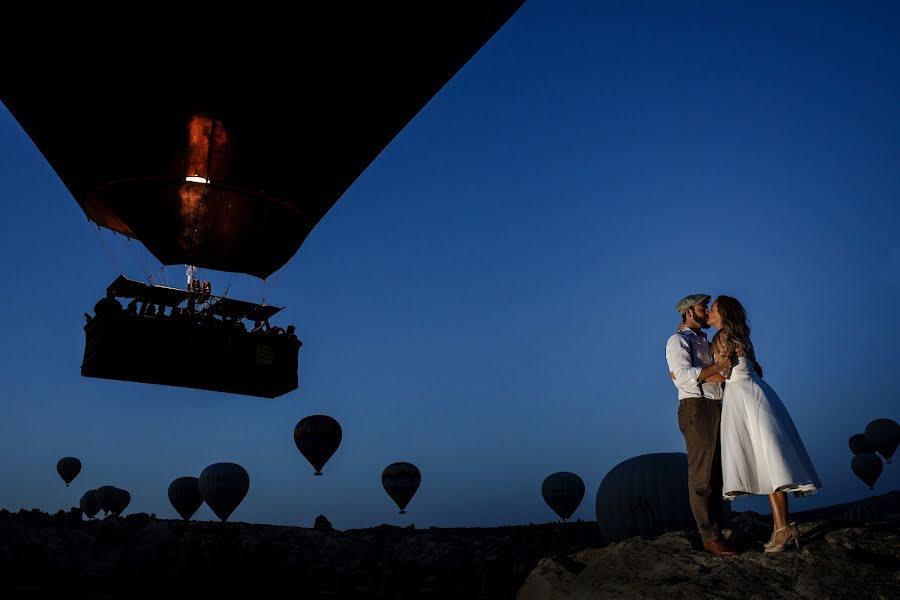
x,y
105,245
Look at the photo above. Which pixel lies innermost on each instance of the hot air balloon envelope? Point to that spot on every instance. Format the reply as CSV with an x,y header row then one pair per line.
x,y
223,487
89,504
317,438
120,501
858,444
867,466
106,497
68,468
221,153
563,493
401,480
645,496
883,436
184,494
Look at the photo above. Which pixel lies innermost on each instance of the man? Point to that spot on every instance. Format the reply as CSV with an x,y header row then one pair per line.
x,y
698,380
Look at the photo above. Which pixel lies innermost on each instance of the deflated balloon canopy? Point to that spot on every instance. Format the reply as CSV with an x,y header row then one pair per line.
x,y
867,466
883,436
68,468
223,487
225,155
317,438
401,480
184,494
563,492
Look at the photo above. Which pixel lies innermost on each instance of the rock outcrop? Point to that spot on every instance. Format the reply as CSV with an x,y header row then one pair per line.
x,y
840,557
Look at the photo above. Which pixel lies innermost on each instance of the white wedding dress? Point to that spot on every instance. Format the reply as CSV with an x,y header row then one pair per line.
x,y
761,449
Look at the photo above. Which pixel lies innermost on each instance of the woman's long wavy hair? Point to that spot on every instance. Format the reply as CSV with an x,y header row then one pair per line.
x,y
734,335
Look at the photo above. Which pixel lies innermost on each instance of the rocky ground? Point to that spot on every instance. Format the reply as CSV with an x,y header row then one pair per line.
x,y
851,551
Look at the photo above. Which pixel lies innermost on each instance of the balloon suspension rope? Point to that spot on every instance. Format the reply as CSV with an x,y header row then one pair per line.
x,y
109,254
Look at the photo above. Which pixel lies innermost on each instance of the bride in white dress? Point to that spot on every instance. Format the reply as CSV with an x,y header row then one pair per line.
x,y
762,453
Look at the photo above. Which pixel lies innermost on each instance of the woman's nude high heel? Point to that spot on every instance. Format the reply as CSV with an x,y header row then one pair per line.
x,y
793,536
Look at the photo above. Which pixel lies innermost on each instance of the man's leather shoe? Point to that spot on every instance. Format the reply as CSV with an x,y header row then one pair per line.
x,y
719,548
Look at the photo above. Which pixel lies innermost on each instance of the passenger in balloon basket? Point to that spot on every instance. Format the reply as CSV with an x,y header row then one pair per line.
x,y
108,305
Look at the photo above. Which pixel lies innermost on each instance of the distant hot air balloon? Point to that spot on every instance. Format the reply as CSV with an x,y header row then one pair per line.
x,y
563,492
858,444
120,501
317,437
68,468
883,436
645,496
89,504
400,481
184,494
223,487
106,497
867,466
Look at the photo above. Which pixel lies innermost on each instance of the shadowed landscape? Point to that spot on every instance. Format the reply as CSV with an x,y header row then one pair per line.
x,y
849,550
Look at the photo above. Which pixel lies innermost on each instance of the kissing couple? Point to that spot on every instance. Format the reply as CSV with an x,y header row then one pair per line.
x,y
740,437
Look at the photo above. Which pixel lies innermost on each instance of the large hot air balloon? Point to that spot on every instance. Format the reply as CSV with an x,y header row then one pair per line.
x,y
867,466
120,501
645,496
883,436
563,492
230,165
184,494
89,504
223,487
400,481
68,468
106,496
858,443
317,437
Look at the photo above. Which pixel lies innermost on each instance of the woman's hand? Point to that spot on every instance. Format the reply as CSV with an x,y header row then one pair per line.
x,y
725,361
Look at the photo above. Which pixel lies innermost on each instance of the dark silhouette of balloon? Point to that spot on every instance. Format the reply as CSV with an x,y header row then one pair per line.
x,y
563,492
883,436
209,178
645,496
106,496
184,494
400,481
89,504
317,437
867,466
120,501
858,443
223,487
68,468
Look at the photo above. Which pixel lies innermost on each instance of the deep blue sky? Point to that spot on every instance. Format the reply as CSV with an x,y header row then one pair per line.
x,y
491,299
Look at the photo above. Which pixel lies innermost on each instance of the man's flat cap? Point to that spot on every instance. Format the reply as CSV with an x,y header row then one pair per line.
x,y
689,301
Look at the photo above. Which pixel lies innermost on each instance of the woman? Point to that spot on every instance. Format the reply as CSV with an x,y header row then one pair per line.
x,y
762,453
